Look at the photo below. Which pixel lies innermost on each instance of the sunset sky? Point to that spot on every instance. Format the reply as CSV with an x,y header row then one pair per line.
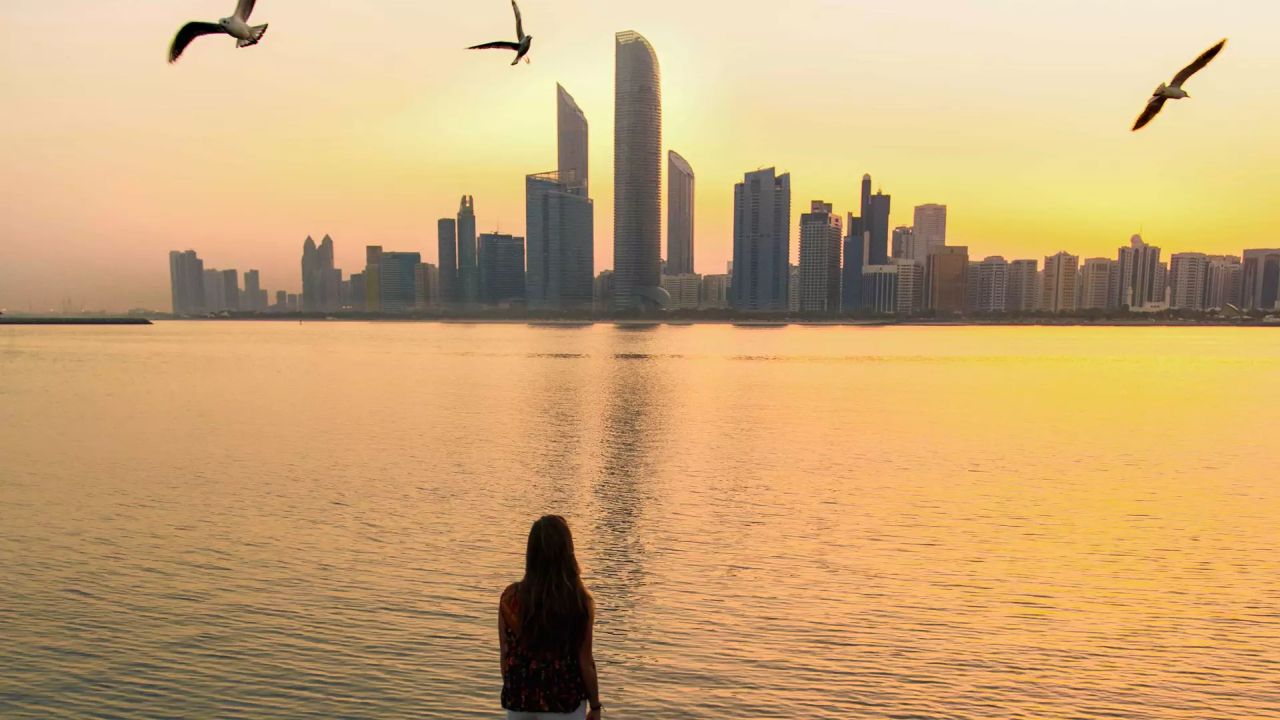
x,y
367,120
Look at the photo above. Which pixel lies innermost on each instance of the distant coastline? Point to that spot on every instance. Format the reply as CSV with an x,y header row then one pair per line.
x,y
745,321
40,320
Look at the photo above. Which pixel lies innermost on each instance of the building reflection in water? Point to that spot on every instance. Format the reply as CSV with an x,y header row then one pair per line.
x,y
630,444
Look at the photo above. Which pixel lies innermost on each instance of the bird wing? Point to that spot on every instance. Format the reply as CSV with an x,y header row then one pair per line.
x,y
189,32
1199,64
500,45
244,9
519,21
1154,106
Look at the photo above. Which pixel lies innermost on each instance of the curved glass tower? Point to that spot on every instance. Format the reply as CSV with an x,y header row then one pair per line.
x,y
637,176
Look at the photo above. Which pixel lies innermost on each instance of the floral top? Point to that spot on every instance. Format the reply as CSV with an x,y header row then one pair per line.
x,y
538,682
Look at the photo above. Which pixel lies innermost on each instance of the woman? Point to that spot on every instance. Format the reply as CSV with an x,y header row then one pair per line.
x,y
544,631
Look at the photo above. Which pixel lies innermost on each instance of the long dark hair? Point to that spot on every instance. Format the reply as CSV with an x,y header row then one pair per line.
x,y
554,604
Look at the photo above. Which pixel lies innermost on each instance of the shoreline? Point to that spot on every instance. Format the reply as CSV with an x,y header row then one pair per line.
x,y
745,322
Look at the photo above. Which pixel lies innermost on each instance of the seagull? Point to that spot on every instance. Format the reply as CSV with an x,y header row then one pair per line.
x,y
521,46
1175,92
237,26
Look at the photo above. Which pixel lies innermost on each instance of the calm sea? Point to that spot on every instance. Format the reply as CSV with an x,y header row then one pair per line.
x,y
272,520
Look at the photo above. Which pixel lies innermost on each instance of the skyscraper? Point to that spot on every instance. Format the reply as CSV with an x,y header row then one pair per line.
x,y
910,287
502,269
186,281
1096,277
231,289
255,298
992,285
864,201
901,245
1261,280
761,242
397,281
373,278
1139,266
680,187
1058,291
855,260
571,146
947,280
820,259
447,232
215,291
637,179
930,231
880,289
1023,294
321,281
468,269
876,223
1224,282
310,275
1188,274
560,225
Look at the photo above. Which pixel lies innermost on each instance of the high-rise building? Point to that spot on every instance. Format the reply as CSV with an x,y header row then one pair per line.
x,y
397,281
910,287
571,146
604,290
1139,265
282,301
876,225
855,259
1260,280
255,298
902,244
992,285
685,291
357,295
680,187
373,278
947,280
761,242
186,281
1023,294
231,290
1058,291
930,230
880,289
1188,275
1224,282
560,226
321,281
449,290
502,269
793,289
1096,291
715,292
468,267
820,235
637,176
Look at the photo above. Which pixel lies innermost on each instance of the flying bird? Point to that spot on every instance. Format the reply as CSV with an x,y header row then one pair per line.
x,y
521,45
1164,93
237,26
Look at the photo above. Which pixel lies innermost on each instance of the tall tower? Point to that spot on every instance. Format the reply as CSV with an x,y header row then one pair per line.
x,y
680,186
571,146
865,209
929,232
762,242
447,233
311,277
820,259
877,226
637,178
468,263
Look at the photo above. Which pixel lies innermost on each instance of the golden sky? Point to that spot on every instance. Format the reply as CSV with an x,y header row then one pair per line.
x,y
366,120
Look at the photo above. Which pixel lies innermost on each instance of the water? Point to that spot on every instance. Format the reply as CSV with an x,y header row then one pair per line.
x,y
240,520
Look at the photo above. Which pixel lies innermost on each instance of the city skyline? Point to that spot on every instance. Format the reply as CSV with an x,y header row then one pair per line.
x,y
113,183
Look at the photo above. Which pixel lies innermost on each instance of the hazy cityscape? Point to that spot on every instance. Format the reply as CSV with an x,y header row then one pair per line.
x,y
851,264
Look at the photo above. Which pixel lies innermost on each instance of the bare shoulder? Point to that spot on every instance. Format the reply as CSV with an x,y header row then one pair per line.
x,y
510,593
